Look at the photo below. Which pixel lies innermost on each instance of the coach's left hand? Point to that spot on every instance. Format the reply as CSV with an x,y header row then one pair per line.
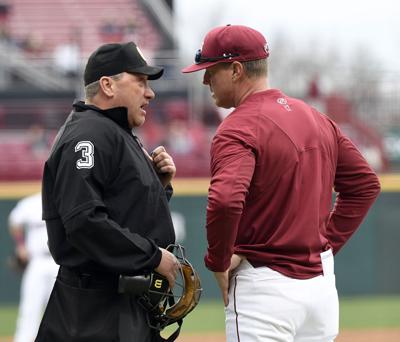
x,y
164,165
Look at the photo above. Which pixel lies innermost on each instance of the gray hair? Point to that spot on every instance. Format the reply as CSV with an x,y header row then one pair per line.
x,y
256,68
93,88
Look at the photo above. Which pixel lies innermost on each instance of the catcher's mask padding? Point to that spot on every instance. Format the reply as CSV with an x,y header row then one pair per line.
x,y
191,295
166,305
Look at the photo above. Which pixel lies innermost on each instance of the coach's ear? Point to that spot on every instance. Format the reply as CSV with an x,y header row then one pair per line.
x,y
237,71
107,86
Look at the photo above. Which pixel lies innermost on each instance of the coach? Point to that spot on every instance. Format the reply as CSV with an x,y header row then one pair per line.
x,y
270,223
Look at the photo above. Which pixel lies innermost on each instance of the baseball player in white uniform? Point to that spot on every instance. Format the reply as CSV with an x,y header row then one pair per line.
x,y
30,236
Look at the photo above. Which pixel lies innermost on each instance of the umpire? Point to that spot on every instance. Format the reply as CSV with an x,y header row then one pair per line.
x,y
105,203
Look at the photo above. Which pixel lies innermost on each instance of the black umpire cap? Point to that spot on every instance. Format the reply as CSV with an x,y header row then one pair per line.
x,y
112,59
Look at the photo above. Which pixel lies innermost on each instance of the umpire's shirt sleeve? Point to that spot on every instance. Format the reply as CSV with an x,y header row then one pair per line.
x,y
88,161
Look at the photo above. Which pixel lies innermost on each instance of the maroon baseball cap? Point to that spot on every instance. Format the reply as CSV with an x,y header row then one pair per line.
x,y
225,44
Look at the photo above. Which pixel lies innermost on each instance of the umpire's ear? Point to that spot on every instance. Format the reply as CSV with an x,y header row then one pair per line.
x,y
107,85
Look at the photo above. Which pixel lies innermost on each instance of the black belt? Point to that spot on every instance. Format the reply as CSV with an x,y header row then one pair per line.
x,y
88,279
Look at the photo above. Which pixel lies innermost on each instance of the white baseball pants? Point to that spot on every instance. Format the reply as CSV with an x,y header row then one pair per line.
x,y
266,306
36,286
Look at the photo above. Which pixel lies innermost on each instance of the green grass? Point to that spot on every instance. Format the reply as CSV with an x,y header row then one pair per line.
x,y
370,312
7,320
356,313
207,316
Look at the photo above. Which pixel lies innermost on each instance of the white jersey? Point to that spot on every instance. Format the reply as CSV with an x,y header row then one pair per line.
x,y
40,274
28,213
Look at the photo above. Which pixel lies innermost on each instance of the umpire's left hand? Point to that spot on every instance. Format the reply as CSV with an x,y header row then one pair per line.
x,y
164,165
168,267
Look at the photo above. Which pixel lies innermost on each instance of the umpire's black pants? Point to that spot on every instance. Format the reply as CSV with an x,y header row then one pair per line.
x,y
85,307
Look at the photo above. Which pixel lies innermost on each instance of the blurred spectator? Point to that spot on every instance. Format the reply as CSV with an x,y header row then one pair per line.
x,y
32,45
29,233
188,144
67,56
152,134
4,33
187,140
314,96
130,31
4,11
313,88
4,17
39,141
2,116
178,138
367,140
111,31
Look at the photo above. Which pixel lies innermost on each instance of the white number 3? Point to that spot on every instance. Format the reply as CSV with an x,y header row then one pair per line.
x,y
87,161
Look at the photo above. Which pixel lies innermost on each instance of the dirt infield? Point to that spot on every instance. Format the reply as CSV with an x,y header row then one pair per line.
x,y
382,335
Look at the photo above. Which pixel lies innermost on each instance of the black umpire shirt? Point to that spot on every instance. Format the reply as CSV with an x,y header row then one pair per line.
x,y
104,205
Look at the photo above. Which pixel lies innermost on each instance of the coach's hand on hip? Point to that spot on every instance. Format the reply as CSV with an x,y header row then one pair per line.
x,y
164,165
223,277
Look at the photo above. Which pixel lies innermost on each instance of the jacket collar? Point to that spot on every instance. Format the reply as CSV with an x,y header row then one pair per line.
x,y
118,114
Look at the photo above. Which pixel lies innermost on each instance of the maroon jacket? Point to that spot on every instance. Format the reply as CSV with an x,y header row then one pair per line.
x,y
274,162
